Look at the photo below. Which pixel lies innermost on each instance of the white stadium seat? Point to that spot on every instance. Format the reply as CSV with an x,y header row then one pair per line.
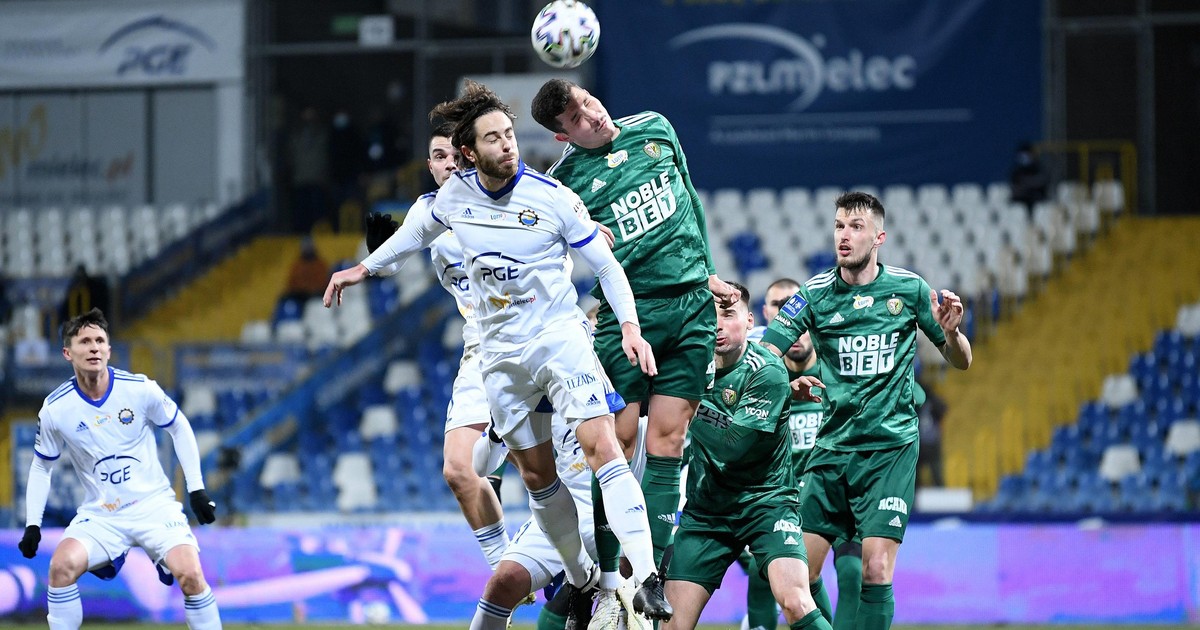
x,y
378,421
279,468
1119,461
1183,437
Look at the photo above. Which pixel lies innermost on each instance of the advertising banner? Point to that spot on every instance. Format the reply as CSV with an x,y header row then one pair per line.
x,y
837,92
90,44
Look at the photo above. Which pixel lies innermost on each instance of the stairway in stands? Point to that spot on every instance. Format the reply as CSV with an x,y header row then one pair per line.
x,y
242,288
1035,370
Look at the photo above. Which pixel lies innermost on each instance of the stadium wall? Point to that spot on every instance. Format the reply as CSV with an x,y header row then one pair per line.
x,y
429,569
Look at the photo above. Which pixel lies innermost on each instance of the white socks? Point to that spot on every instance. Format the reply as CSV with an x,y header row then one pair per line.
x,y
625,507
64,607
554,511
493,540
201,611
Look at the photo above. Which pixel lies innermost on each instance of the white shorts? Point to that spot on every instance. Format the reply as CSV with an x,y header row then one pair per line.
x,y
157,527
468,401
531,549
558,370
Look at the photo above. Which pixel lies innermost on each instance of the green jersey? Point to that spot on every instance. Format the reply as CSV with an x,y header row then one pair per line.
x,y
740,444
804,420
865,338
639,187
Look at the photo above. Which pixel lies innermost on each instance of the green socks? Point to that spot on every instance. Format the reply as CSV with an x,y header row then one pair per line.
x,y
608,548
821,597
849,579
876,607
760,601
660,485
812,621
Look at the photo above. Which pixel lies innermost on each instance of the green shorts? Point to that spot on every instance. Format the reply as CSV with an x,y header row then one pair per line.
x,y
681,329
859,494
705,548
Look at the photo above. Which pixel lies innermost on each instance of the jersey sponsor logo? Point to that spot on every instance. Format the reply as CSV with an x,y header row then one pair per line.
x,y
645,207
728,396
101,419
618,158
597,184
580,379
895,504
652,150
793,306
507,300
895,522
837,318
500,273
666,518
496,216
863,301
713,417
112,507
635,509
126,416
82,427
527,217
787,526
791,540
593,400
895,305
804,429
864,355
467,214
711,373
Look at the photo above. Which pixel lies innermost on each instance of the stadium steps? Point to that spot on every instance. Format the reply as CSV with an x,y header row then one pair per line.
x,y
1040,365
242,288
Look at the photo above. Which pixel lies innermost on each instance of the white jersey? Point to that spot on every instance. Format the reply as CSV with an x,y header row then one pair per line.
x,y
756,334
514,246
110,442
448,264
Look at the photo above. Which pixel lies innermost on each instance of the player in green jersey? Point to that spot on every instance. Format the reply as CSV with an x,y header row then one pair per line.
x,y
741,482
863,318
633,177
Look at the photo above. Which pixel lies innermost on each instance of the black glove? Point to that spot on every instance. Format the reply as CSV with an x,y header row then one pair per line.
x,y
379,228
29,542
203,507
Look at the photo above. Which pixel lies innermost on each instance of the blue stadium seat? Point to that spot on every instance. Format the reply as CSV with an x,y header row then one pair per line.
x,y
1143,367
820,261
287,309
1170,409
1168,341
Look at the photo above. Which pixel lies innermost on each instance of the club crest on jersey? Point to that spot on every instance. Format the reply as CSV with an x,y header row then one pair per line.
x,y
895,305
528,217
863,301
125,416
728,396
653,150
618,158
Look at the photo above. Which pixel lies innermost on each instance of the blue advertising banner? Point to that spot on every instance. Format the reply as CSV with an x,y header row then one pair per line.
x,y
833,92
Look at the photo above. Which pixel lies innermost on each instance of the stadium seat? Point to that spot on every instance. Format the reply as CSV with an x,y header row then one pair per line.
x,y
199,400
378,421
1109,196
256,332
1118,461
1118,390
1183,438
999,194
1187,321
795,200
279,468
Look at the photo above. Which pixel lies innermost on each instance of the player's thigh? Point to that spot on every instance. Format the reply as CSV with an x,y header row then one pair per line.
x,y
568,370
773,532
161,529
882,486
702,556
457,447
627,380
512,398
685,335
468,400
825,508
103,538
688,600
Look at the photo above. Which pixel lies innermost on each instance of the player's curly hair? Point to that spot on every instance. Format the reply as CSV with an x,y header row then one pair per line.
x,y
550,102
477,100
71,327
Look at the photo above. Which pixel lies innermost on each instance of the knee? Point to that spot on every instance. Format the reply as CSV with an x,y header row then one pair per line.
x,y
65,569
460,476
508,585
666,439
876,569
793,604
191,581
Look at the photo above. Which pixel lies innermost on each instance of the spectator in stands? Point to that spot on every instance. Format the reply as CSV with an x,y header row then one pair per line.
x,y
1027,181
347,156
308,274
929,426
308,147
83,294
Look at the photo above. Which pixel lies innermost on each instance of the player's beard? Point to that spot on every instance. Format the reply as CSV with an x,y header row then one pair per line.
x,y
799,356
854,263
494,169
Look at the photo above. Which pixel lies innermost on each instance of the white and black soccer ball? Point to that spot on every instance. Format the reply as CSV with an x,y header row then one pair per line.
x,y
565,33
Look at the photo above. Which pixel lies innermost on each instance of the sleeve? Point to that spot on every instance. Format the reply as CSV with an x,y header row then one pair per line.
x,y
790,323
46,443
37,490
187,451
420,227
764,399
581,231
698,208
925,319
160,408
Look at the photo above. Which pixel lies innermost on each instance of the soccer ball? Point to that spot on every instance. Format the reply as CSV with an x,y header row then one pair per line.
x,y
565,33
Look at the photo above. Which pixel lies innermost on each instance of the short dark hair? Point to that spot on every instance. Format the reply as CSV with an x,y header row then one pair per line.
x,y
741,289
550,102
477,100
442,129
784,283
71,327
861,201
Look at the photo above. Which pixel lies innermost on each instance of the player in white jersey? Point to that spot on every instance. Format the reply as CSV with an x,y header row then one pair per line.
x,y
468,413
103,420
515,225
